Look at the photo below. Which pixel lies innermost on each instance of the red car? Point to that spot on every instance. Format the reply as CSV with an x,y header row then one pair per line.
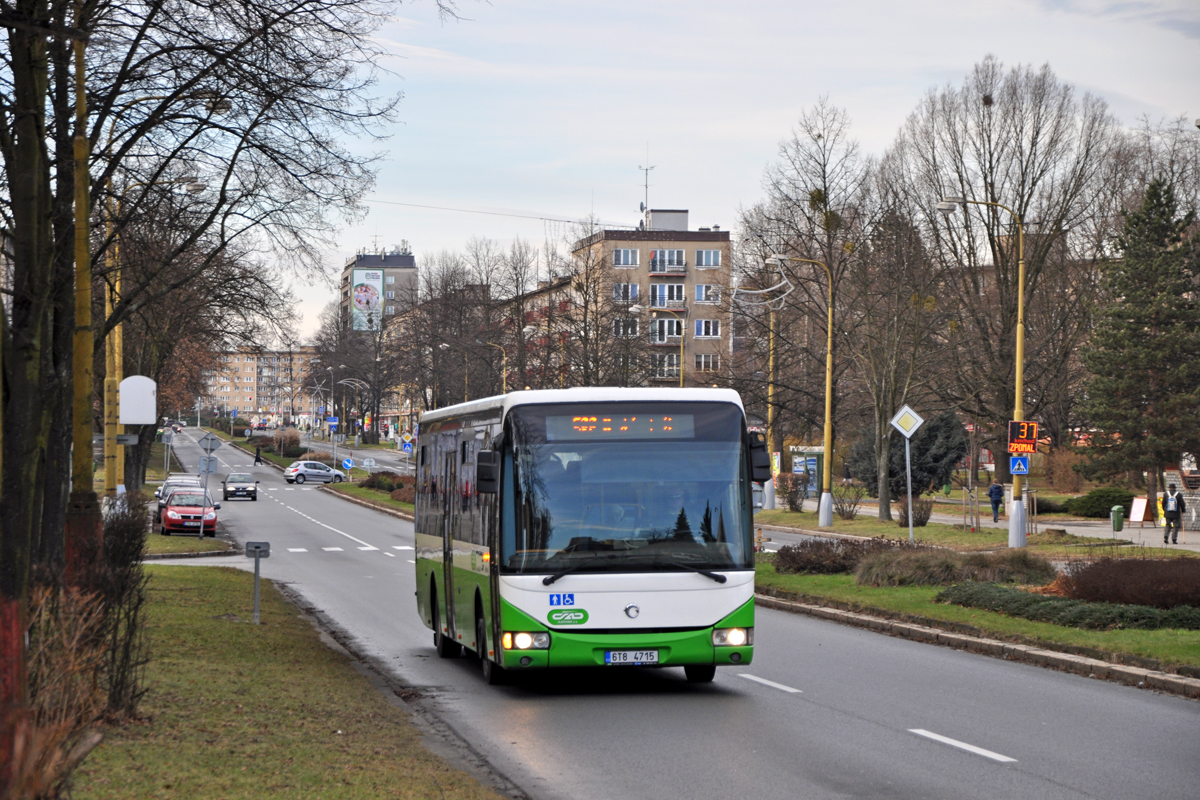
x,y
185,510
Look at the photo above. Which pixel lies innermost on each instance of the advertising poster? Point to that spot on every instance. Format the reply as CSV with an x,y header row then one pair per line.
x,y
366,299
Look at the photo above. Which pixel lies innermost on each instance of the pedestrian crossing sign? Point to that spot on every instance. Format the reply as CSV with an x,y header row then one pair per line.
x,y
1018,465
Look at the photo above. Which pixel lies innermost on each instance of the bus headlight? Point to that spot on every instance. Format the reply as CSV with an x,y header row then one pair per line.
x,y
525,641
732,637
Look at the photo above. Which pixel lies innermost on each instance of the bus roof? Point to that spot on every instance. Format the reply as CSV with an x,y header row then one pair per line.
x,y
583,394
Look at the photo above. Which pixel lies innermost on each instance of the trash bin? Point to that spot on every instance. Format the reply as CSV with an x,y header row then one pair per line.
x,y
1118,518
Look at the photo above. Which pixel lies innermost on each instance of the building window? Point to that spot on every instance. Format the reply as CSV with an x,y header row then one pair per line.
x,y
625,258
625,292
666,294
666,260
664,365
391,279
664,330
708,259
625,327
708,328
390,309
708,293
391,295
707,362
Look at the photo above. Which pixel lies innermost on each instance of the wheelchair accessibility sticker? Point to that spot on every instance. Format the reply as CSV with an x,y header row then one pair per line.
x,y
562,599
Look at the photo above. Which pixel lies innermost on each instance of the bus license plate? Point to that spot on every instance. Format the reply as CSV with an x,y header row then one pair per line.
x,y
631,658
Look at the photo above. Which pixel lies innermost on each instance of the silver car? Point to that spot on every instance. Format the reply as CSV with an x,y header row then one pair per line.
x,y
302,471
172,483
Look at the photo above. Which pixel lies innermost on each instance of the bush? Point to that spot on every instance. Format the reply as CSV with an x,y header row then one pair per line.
x,y
1158,584
1061,472
1099,502
922,510
384,485
832,556
1045,506
1067,612
847,499
372,481
940,567
294,452
790,489
407,494
240,433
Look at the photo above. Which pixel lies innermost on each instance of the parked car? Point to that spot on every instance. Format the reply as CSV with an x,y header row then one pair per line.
x,y
185,510
239,484
301,471
172,483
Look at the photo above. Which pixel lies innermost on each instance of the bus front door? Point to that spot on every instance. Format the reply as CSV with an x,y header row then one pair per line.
x,y
448,518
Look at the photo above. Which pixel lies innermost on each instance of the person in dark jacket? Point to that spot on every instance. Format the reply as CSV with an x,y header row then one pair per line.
x,y
996,493
1173,508
258,456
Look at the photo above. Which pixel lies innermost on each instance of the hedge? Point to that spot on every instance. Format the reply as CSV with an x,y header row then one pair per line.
x,y
1069,613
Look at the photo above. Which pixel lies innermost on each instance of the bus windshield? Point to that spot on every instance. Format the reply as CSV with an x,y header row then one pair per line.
x,y
629,487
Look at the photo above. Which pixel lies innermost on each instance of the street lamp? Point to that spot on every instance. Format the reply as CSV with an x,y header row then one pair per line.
x,y
503,365
825,509
639,309
948,205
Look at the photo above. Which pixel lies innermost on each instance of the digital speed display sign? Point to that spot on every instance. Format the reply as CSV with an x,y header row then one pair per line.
x,y
1022,436
593,427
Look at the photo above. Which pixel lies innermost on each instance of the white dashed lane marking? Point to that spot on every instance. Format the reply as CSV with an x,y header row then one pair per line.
x,y
401,547
297,550
333,549
766,682
970,748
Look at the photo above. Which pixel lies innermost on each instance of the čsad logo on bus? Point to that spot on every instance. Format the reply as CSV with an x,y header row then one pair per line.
x,y
568,616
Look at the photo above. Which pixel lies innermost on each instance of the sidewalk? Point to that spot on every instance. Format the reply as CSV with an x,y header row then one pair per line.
x,y
1147,536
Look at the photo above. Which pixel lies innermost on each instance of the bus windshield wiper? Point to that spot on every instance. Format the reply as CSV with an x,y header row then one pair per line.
x,y
706,573
549,579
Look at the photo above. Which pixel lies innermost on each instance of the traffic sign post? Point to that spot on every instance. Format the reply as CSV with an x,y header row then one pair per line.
x,y
1022,440
348,464
907,422
368,463
1018,465
257,551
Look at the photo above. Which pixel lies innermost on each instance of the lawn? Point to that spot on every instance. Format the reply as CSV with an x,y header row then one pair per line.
x,y
372,496
154,468
1171,647
237,710
159,545
1051,545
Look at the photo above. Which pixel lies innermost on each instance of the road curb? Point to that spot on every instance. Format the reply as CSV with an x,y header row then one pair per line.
x,y
1080,665
172,556
367,504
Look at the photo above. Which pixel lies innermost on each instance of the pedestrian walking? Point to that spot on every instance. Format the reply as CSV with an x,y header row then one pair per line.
x,y
258,456
1173,508
846,479
996,493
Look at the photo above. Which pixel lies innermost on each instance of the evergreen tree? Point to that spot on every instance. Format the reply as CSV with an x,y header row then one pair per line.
x,y
1143,400
706,531
936,449
683,528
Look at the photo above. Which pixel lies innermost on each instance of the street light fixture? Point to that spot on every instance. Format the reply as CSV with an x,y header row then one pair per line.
x,y
503,365
948,205
825,508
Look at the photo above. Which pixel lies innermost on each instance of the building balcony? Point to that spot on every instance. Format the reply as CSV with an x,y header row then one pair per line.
x,y
673,341
673,305
667,374
662,269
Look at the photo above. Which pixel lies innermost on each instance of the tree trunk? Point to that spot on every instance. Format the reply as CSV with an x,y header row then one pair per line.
x,y
883,459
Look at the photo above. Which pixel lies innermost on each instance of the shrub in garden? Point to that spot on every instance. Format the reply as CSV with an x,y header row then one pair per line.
x,y
1098,502
922,510
1164,583
294,452
1045,506
832,556
790,490
384,485
1064,611
847,499
372,480
941,567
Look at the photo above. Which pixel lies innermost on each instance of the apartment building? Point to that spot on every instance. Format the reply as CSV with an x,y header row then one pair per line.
x,y
375,285
264,385
674,280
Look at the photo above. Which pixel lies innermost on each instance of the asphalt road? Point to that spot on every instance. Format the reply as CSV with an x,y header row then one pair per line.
x,y
825,711
393,460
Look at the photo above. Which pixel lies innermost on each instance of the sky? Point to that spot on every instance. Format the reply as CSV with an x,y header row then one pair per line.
x,y
533,110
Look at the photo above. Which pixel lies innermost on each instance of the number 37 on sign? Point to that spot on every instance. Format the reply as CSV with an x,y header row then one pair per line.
x,y
1022,436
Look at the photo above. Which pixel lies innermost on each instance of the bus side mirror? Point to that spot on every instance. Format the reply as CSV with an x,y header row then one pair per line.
x,y
487,472
760,460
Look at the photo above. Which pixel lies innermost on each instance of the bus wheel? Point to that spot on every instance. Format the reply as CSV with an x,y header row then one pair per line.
x,y
493,673
445,648
700,673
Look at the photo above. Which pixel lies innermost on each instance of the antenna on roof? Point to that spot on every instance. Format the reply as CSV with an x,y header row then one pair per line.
x,y
646,169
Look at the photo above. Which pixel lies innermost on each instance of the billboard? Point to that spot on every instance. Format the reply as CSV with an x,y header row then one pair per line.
x,y
366,299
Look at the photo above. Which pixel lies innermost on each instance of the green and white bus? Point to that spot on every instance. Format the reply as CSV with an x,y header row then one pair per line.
x,y
589,527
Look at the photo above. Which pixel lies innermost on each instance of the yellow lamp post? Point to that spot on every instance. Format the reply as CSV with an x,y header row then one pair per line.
x,y
825,508
503,365
948,205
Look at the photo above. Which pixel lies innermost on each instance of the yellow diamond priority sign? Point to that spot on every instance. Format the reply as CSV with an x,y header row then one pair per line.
x,y
907,421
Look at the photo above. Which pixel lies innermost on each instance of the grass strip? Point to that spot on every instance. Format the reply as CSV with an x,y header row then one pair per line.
x,y
159,545
373,496
237,710
1170,647
1065,611
1052,544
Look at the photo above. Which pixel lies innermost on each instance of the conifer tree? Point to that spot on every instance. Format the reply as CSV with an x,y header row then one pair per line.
x,y
1143,400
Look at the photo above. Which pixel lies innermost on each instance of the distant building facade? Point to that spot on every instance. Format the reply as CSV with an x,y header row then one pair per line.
x,y
678,277
375,285
264,385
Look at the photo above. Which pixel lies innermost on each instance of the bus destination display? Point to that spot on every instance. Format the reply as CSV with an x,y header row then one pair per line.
x,y
1022,436
593,427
